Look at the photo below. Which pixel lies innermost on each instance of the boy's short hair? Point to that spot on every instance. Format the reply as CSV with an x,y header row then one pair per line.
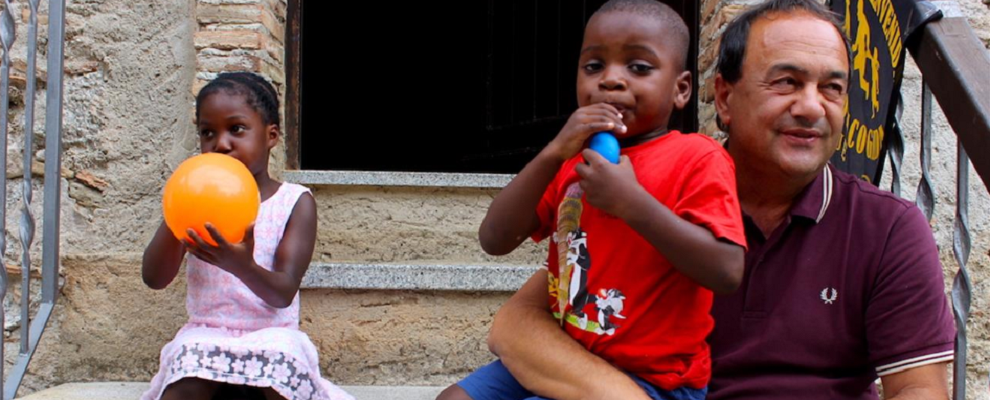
x,y
679,35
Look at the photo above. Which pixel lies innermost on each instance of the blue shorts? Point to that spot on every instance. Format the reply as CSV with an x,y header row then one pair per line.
x,y
494,382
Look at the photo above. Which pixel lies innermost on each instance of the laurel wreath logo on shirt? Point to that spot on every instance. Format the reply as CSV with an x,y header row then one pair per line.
x,y
829,299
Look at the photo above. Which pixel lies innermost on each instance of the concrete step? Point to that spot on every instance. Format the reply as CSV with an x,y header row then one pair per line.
x,y
133,390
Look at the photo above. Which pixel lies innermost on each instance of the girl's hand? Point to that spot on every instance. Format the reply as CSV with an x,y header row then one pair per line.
x,y
235,258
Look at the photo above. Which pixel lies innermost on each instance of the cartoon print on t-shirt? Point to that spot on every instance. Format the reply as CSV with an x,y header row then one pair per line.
x,y
574,262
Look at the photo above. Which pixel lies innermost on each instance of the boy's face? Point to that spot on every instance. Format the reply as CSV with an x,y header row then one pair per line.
x,y
626,62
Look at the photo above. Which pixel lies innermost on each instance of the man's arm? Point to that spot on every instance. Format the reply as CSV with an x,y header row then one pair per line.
x,y
544,359
909,287
927,382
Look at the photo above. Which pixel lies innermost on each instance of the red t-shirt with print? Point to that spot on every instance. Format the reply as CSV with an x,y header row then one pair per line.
x,y
622,299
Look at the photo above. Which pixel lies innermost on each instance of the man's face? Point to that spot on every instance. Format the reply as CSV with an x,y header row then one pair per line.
x,y
785,113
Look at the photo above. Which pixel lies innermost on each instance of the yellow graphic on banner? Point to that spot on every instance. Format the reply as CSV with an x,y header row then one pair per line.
x,y
863,53
866,137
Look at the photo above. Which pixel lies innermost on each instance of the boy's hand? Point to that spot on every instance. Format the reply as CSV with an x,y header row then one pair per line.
x,y
582,124
608,187
230,257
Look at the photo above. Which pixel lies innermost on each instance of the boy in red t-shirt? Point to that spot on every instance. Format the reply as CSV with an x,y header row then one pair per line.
x,y
637,247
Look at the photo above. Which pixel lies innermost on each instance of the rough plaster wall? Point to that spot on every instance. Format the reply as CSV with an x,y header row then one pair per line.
x,y
127,122
138,117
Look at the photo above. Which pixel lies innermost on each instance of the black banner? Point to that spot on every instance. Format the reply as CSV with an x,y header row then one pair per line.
x,y
878,31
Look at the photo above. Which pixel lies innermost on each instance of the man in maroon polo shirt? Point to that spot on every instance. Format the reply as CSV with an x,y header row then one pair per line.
x,y
843,282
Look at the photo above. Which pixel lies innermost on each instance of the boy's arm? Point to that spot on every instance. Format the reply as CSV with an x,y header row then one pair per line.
x,y
512,216
696,252
545,360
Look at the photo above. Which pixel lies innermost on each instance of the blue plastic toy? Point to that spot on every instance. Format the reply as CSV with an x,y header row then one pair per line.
x,y
606,145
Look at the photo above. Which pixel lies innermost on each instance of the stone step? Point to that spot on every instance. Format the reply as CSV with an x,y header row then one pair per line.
x,y
133,390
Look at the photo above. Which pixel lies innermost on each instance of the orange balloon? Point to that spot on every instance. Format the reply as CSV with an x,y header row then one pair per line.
x,y
212,188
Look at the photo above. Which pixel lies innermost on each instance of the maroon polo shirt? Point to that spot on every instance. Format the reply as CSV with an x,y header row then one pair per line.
x,y
849,287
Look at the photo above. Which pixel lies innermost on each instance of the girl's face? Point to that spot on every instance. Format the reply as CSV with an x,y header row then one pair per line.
x,y
228,125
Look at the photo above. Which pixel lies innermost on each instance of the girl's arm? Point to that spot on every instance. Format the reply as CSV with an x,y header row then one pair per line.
x,y
162,258
292,256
